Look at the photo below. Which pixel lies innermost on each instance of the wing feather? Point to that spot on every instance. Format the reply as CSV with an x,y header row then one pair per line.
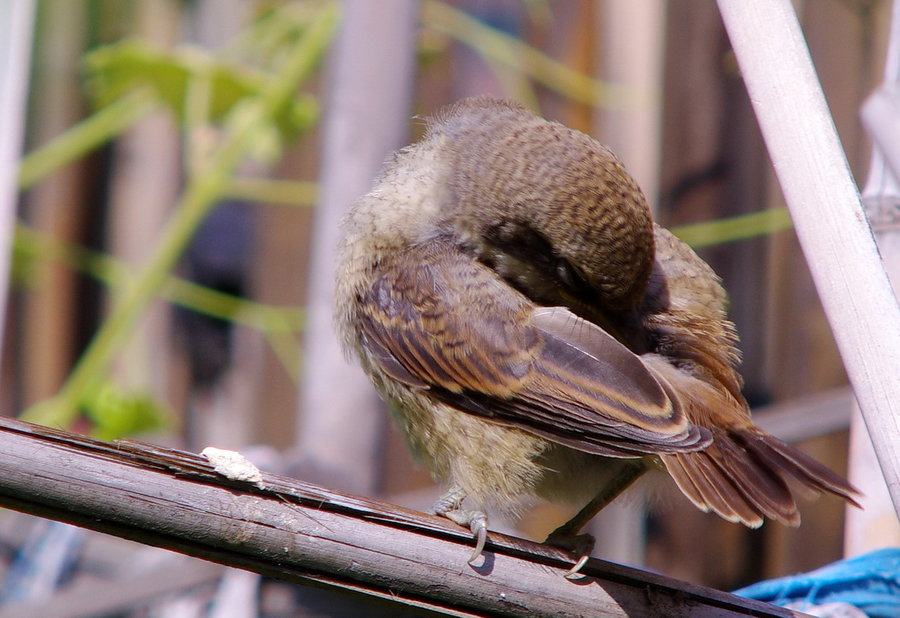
x,y
541,369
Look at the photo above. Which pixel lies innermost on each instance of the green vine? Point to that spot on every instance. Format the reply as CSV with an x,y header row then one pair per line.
x,y
250,116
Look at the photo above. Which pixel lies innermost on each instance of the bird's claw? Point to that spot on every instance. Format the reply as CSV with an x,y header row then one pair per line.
x,y
449,506
580,545
477,522
574,572
478,525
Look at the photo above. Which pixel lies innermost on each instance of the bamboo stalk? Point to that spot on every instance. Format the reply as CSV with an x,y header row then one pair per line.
x,y
306,534
828,216
16,19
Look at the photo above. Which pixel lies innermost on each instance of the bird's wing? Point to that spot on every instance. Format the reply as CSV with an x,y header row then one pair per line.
x,y
435,319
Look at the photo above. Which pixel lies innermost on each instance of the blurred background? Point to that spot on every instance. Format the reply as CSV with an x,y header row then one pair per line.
x,y
185,162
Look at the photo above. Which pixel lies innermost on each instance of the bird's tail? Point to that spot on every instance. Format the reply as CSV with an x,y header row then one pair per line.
x,y
743,474
743,477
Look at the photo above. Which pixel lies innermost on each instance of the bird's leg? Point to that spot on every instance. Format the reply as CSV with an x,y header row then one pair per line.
x,y
450,506
567,537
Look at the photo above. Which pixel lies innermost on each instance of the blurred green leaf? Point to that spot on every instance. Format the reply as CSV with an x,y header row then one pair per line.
x,y
116,413
116,70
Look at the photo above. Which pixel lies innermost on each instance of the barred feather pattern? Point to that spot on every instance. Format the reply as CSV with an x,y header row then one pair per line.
x,y
744,474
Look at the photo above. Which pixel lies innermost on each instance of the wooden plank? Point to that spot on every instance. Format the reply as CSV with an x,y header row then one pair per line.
x,y
306,534
807,417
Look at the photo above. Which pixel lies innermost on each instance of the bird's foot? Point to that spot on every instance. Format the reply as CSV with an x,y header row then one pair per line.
x,y
450,506
566,537
579,545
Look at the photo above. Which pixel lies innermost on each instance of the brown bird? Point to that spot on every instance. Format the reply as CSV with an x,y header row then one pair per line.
x,y
535,333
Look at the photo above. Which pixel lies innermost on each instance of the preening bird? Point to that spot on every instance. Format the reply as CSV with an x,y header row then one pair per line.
x,y
536,333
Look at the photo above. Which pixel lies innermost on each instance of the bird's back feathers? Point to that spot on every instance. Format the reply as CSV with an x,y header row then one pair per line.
x,y
508,267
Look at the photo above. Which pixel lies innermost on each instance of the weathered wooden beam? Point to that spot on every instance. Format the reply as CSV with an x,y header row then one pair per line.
x,y
804,418
299,532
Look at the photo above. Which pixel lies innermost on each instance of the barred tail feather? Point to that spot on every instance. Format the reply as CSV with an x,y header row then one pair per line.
x,y
743,477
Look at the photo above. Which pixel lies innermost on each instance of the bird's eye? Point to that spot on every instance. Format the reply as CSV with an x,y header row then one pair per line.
x,y
569,275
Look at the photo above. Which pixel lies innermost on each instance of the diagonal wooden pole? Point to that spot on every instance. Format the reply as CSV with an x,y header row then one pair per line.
x,y
828,216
